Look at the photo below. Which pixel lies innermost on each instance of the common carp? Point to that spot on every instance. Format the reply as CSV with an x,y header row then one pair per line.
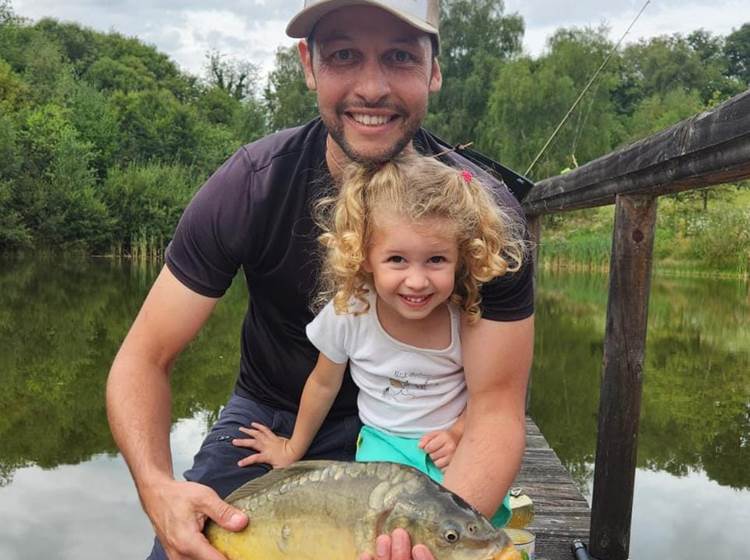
x,y
330,510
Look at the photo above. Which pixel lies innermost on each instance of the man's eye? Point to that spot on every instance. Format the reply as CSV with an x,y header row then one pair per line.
x,y
402,56
344,55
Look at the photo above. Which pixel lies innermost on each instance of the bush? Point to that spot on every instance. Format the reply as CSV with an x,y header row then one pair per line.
x,y
145,203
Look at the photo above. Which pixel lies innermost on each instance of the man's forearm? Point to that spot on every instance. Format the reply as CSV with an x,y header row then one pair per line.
x,y
488,456
139,412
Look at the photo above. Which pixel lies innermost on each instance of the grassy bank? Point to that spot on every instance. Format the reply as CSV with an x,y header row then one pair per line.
x,y
699,233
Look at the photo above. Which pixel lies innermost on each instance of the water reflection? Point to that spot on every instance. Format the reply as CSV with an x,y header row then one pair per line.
x,y
61,323
696,401
692,494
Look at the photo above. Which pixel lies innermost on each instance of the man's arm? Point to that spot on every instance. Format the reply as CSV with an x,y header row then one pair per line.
x,y
139,412
497,359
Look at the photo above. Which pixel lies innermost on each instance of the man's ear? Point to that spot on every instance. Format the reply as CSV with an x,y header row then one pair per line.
x,y
305,58
436,77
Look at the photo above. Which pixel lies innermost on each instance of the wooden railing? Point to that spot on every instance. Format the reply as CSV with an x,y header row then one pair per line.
x,y
708,149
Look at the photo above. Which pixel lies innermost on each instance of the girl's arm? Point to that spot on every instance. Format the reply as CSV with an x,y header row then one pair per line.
x,y
318,395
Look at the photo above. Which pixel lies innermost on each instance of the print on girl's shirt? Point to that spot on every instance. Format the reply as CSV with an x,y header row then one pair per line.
x,y
403,384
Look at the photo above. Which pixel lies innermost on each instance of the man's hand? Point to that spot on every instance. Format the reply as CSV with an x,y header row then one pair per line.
x,y
440,446
397,546
271,449
178,512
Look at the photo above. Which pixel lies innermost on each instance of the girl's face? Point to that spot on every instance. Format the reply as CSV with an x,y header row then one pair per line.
x,y
413,264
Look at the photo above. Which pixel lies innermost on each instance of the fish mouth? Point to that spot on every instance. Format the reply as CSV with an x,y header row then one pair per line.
x,y
509,552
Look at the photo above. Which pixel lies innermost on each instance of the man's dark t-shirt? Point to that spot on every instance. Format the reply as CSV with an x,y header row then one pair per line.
x,y
255,212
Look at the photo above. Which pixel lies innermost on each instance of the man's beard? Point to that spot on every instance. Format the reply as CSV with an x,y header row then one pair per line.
x,y
336,130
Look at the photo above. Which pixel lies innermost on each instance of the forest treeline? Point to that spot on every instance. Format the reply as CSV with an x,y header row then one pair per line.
x,y
103,139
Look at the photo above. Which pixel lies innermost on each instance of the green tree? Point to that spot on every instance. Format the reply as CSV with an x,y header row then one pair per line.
x,y
287,99
57,186
156,126
476,39
737,52
660,111
236,77
13,90
113,75
95,119
529,98
45,69
6,13
146,202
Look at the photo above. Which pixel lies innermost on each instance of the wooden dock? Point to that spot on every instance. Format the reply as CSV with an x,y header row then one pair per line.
x,y
561,513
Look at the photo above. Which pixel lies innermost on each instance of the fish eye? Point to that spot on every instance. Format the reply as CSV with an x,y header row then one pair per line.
x,y
451,535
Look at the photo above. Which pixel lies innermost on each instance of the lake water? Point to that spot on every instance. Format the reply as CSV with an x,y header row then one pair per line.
x,y
65,492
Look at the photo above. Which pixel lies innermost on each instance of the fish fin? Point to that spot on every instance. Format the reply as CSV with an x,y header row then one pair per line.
x,y
263,482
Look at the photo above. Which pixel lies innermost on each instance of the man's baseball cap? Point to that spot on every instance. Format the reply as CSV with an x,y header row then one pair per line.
x,y
422,14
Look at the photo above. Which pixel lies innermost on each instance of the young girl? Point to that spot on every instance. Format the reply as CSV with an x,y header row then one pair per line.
x,y
408,245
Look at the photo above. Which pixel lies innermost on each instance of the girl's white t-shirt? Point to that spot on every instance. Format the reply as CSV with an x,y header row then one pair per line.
x,y
403,390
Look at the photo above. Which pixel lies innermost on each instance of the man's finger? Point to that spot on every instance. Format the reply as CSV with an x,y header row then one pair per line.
x,y
401,546
421,552
228,517
383,547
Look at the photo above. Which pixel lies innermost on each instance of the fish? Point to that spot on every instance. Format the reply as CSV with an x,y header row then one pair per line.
x,y
334,510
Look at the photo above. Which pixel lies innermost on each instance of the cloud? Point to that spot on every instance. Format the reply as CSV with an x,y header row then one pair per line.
x,y
185,30
252,30
544,17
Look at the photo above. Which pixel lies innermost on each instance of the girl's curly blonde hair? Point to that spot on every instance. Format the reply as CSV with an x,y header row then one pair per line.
x,y
416,188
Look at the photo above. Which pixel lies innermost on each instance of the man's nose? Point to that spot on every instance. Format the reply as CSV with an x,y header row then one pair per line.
x,y
373,83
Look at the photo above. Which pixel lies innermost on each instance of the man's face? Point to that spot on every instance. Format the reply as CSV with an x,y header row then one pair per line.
x,y
373,74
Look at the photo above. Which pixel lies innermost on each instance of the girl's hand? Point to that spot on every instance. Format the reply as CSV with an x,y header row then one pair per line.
x,y
271,449
440,446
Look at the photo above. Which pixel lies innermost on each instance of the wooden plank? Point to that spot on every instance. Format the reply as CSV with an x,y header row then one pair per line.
x,y
561,513
622,381
707,149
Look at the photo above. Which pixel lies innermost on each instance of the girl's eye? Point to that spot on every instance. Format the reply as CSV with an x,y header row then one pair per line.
x,y
396,259
437,259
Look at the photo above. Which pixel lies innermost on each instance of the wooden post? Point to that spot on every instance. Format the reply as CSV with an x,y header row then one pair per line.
x,y
535,233
620,397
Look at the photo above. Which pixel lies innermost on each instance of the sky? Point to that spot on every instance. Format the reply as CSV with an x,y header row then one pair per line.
x,y
252,30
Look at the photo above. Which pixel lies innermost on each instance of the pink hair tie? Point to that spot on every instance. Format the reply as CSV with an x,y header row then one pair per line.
x,y
467,175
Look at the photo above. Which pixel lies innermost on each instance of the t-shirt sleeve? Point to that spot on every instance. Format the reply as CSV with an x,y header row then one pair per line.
x,y
329,333
510,297
213,236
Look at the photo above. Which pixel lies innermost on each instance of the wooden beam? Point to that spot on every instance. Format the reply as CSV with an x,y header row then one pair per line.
x,y
707,149
620,398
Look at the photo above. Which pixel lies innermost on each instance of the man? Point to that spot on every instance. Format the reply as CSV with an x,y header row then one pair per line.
x,y
372,66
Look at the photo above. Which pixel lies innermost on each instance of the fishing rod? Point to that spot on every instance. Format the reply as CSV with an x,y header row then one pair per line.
x,y
591,81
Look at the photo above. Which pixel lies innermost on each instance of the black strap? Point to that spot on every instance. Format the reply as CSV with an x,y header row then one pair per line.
x,y
517,183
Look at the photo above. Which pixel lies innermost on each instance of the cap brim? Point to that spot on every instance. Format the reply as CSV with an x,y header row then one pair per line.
x,y
303,23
